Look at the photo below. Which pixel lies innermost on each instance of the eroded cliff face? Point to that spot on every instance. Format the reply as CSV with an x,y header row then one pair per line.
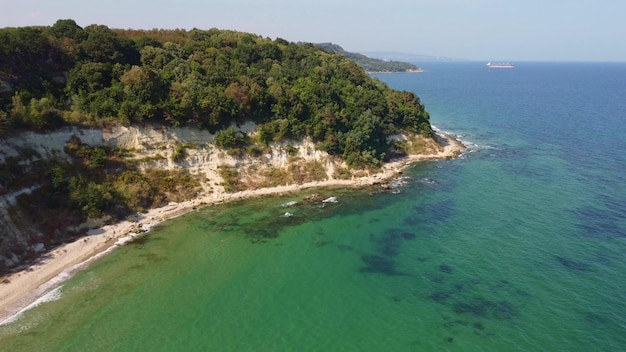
x,y
153,147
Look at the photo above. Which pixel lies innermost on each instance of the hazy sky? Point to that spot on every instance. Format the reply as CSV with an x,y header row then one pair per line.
x,y
512,30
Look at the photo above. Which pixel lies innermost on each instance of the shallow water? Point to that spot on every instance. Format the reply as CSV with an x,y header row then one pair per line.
x,y
518,246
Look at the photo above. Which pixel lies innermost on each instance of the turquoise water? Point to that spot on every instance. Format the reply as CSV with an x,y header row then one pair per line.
x,y
518,246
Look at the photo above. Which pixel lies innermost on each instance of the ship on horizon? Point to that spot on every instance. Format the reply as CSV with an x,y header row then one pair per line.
x,y
499,65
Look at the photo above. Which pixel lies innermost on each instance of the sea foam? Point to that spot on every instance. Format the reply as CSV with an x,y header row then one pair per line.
x,y
51,296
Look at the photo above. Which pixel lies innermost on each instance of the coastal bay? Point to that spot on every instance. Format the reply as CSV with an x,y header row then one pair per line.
x,y
22,289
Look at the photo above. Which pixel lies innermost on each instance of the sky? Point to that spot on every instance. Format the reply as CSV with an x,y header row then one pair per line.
x,y
497,30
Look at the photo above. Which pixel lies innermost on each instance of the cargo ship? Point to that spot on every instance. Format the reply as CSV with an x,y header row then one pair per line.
x,y
499,65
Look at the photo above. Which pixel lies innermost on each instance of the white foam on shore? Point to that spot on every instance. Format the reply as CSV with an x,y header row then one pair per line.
x,y
66,274
51,296
121,241
469,145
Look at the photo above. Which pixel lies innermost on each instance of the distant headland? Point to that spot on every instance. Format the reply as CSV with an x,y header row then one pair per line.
x,y
369,64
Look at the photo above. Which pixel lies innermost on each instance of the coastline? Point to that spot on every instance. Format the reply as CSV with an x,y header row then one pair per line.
x,y
410,70
25,289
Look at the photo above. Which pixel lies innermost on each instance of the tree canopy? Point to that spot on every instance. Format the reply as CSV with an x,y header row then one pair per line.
x,y
209,79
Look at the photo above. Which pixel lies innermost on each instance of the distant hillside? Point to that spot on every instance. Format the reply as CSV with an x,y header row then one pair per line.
x,y
368,63
392,55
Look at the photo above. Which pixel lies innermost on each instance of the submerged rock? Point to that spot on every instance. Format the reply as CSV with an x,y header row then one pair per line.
x,y
483,308
574,265
445,269
379,264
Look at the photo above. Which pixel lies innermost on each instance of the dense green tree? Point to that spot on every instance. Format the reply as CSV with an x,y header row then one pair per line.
x,y
22,48
227,138
89,77
37,114
204,78
104,45
90,197
156,58
143,84
68,29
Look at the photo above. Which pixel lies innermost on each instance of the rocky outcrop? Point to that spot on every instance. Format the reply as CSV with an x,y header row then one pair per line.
x,y
145,143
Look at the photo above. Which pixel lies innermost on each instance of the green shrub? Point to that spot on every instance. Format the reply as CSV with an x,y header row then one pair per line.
x,y
231,177
180,153
255,151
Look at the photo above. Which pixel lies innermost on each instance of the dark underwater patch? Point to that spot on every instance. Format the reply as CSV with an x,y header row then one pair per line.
x,y
599,222
522,169
379,264
153,258
141,240
438,279
455,323
482,308
440,296
507,286
344,248
390,243
261,235
595,319
408,235
478,326
444,268
431,214
463,298
321,243
574,265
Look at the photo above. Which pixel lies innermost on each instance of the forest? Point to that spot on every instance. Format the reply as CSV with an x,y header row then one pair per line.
x,y
95,76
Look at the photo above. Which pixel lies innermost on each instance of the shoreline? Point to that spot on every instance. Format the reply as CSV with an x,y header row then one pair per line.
x,y
410,70
27,288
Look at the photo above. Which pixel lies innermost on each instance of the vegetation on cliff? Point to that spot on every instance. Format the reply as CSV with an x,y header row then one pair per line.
x,y
57,195
95,75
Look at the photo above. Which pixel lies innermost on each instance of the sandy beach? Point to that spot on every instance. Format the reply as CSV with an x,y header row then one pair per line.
x,y
21,290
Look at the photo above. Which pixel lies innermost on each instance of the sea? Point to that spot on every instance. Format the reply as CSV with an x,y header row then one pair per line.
x,y
518,245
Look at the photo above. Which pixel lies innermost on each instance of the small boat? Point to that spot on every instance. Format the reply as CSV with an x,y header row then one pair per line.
x,y
288,214
499,65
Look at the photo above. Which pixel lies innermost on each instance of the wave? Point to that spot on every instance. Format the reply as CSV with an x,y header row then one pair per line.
x,y
51,296
54,285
